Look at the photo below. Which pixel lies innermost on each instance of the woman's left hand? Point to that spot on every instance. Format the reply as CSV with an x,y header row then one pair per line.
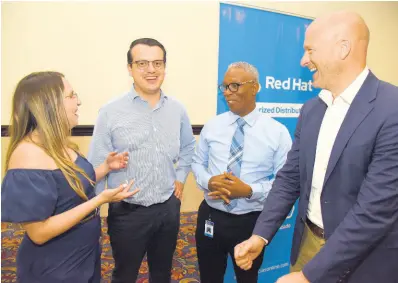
x,y
116,161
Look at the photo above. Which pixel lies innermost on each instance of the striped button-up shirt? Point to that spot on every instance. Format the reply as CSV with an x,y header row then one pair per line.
x,y
159,141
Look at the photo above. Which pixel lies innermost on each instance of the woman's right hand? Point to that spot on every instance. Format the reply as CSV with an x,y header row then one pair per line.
x,y
117,194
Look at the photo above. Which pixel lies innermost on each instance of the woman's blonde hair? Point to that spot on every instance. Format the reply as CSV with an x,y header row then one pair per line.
x,y
37,105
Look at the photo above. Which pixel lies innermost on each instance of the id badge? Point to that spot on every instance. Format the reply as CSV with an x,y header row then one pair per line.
x,y
209,229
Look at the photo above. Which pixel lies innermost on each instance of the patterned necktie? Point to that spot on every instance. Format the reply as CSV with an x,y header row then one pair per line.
x,y
235,156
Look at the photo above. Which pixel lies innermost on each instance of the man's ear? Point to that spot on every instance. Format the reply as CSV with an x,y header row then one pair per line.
x,y
130,69
345,49
256,88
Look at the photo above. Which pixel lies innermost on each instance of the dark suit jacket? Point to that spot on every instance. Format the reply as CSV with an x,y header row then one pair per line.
x,y
359,199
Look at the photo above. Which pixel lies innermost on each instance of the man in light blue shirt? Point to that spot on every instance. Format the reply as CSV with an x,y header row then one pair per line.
x,y
156,132
238,154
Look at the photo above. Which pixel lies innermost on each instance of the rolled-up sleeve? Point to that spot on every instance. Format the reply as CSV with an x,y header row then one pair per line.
x,y
187,148
100,146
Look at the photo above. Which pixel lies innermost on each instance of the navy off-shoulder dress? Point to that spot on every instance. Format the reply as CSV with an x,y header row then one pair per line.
x,y
33,195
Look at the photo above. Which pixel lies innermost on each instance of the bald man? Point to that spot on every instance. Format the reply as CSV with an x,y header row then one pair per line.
x,y
343,167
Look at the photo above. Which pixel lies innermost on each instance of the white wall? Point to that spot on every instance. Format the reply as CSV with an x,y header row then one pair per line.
x,y
88,43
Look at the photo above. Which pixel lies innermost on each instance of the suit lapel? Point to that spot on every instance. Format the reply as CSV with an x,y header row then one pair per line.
x,y
361,106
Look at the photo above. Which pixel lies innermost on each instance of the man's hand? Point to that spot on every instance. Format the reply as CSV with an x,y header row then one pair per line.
x,y
248,251
179,189
218,192
294,277
232,184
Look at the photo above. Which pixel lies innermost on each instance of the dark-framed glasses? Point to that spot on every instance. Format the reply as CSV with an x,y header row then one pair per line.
x,y
233,87
144,64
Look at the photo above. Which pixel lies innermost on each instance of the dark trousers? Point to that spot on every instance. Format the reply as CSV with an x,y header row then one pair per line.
x,y
229,230
135,230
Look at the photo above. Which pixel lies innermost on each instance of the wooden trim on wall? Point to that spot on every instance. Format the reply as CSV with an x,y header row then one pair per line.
x,y
87,130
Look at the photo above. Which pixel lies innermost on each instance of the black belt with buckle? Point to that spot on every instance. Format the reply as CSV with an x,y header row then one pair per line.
x,y
318,231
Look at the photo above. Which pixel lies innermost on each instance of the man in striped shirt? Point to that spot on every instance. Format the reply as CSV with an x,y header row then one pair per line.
x,y
156,132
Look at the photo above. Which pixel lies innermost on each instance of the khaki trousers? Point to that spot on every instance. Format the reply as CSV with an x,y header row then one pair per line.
x,y
310,246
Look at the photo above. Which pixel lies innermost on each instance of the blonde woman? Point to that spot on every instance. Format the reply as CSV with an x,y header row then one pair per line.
x,y
48,186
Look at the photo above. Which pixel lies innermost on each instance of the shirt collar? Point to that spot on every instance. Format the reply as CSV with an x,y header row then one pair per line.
x,y
349,93
133,94
250,118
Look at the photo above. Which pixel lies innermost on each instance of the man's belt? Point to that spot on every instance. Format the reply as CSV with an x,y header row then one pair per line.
x,y
318,231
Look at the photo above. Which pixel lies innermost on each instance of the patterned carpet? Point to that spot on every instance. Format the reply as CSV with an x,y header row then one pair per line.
x,y
185,266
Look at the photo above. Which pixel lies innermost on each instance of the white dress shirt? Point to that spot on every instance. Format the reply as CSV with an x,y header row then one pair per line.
x,y
331,123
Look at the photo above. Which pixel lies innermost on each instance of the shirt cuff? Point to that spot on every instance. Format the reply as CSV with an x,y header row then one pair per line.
x,y
258,191
181,175
204,181
265,240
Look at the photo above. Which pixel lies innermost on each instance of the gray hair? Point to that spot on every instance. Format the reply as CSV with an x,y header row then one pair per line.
x,y
247,67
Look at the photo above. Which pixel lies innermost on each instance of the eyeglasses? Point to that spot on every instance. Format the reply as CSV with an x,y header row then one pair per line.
x,y
233,87
144,64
